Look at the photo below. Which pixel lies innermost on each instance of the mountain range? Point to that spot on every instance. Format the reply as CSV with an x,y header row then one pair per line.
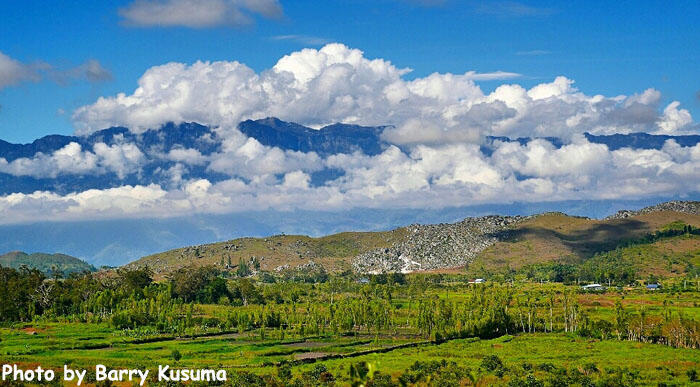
x,y
156,144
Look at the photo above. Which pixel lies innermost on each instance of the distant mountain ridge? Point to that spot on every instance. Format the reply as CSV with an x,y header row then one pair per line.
x,y
46,263
155,143
331,139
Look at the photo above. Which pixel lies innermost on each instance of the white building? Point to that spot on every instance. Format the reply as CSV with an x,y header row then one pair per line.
x,y
595,287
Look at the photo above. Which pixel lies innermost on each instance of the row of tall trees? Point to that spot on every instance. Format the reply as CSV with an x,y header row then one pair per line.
x,y
433,307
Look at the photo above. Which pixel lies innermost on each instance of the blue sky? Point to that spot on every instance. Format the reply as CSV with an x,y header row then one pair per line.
x,y
608,48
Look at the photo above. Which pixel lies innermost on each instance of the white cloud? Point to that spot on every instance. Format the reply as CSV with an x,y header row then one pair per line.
x,y
121,159
197,13
187,156
70,159
339,84
246,157
541,159
674,119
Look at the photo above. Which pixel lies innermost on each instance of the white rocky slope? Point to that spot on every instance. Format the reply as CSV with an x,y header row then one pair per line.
x,y
437,246
686,207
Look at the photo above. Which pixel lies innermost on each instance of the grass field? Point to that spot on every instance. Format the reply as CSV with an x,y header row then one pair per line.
x,y
654,363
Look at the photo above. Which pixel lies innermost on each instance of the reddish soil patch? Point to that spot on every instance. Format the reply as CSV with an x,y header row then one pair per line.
x,y
601,301
32,331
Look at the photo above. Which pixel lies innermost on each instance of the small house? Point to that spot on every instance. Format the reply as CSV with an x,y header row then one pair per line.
x,y
653,286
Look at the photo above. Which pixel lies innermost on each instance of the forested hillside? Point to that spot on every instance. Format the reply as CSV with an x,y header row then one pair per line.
x,y
46,263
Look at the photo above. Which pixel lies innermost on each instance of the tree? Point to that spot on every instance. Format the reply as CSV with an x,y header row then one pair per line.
x,y
135,279
190,283
243,269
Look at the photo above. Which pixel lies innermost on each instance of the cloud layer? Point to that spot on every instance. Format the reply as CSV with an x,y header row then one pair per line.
x,y
427,176
434,158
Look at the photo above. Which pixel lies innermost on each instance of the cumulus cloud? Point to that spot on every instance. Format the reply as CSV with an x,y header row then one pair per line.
x,y
246,157
197,13
339,84
674,118
187,156
120,159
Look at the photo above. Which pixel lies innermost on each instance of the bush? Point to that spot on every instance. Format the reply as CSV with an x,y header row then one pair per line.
x,y
284,372
492,363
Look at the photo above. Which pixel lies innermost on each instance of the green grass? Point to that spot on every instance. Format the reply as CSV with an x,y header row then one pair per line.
x,y
656,363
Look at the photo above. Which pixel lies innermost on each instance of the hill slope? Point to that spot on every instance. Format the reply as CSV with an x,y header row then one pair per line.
x,y
489,242
557,237
46,263
277,252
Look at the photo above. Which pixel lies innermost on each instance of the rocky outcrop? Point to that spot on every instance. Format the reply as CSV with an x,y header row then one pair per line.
x,y
437,246
686,207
